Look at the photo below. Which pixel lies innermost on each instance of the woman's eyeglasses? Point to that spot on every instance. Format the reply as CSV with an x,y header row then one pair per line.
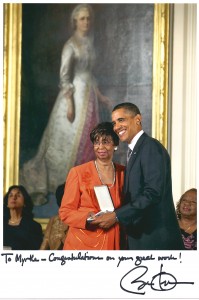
x,y
104,142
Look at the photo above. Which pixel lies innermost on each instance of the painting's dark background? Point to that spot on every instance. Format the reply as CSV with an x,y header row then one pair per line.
x,y
123,35
123,38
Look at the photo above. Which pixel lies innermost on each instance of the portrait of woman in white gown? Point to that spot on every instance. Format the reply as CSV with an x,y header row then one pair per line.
x,y
65,141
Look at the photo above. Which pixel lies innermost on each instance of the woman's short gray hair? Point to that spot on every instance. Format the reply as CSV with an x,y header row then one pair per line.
x,y
76,11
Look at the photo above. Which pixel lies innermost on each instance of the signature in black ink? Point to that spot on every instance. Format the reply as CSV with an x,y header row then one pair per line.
x,y
131,282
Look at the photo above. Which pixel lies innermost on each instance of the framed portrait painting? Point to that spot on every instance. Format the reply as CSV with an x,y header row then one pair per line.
x,y
127,56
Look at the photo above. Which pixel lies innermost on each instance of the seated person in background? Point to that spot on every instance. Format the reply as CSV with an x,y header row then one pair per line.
x,y
20,231
186,210
56,230
79,201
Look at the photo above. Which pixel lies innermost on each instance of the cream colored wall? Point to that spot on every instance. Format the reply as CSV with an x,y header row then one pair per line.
x,y
183,116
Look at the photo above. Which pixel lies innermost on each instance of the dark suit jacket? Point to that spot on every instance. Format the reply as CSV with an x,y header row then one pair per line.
x,y
148,213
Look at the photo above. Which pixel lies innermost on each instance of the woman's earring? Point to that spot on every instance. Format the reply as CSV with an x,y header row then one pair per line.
x,y
115,148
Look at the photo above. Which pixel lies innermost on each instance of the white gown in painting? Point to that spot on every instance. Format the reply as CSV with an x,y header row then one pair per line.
x,y
65,144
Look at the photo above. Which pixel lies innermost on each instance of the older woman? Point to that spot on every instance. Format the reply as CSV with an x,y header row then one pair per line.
x,y
79,201
20,231
186,210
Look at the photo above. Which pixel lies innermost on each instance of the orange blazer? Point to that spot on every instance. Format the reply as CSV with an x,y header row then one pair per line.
x,y
79,199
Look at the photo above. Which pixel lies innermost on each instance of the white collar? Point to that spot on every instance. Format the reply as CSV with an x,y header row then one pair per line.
x,y
135,139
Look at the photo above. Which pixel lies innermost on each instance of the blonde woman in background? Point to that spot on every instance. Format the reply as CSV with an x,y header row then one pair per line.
x,y
65,141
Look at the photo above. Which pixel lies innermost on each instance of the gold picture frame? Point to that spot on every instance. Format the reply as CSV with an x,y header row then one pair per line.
x,y
12,85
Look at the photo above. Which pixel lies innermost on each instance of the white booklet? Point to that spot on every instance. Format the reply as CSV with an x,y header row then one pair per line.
x,y
104,200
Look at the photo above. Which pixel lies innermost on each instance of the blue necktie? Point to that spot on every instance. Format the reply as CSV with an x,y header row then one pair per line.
x,y
129,152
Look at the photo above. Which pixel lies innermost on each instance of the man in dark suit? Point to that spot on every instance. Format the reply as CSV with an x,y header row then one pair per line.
x,y
148,212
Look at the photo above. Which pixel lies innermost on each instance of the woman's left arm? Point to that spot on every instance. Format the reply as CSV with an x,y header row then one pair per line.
x,y
70,212
36,236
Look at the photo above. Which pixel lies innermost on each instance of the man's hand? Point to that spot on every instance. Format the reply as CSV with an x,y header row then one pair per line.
x,y
106,220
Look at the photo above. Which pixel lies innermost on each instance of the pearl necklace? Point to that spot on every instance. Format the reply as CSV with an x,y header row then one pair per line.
x,y
98,172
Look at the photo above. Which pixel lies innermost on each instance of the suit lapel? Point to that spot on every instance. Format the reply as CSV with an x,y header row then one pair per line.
x,y
134,156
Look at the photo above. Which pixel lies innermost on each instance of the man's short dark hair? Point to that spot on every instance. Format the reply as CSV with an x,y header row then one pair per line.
x,y
128,106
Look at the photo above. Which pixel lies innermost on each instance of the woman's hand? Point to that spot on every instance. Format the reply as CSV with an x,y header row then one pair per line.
x,y
91,215
89,225
71,108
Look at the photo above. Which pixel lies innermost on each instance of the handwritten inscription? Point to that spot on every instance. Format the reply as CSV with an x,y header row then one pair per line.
x,y
135,281
138,259
51,258
131,282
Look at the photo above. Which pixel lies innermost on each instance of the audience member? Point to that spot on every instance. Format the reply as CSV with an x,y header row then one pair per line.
x,y
56,230
186,210
79,201
20,231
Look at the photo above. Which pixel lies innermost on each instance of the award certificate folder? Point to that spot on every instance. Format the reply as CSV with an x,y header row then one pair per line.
x,y
104,198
